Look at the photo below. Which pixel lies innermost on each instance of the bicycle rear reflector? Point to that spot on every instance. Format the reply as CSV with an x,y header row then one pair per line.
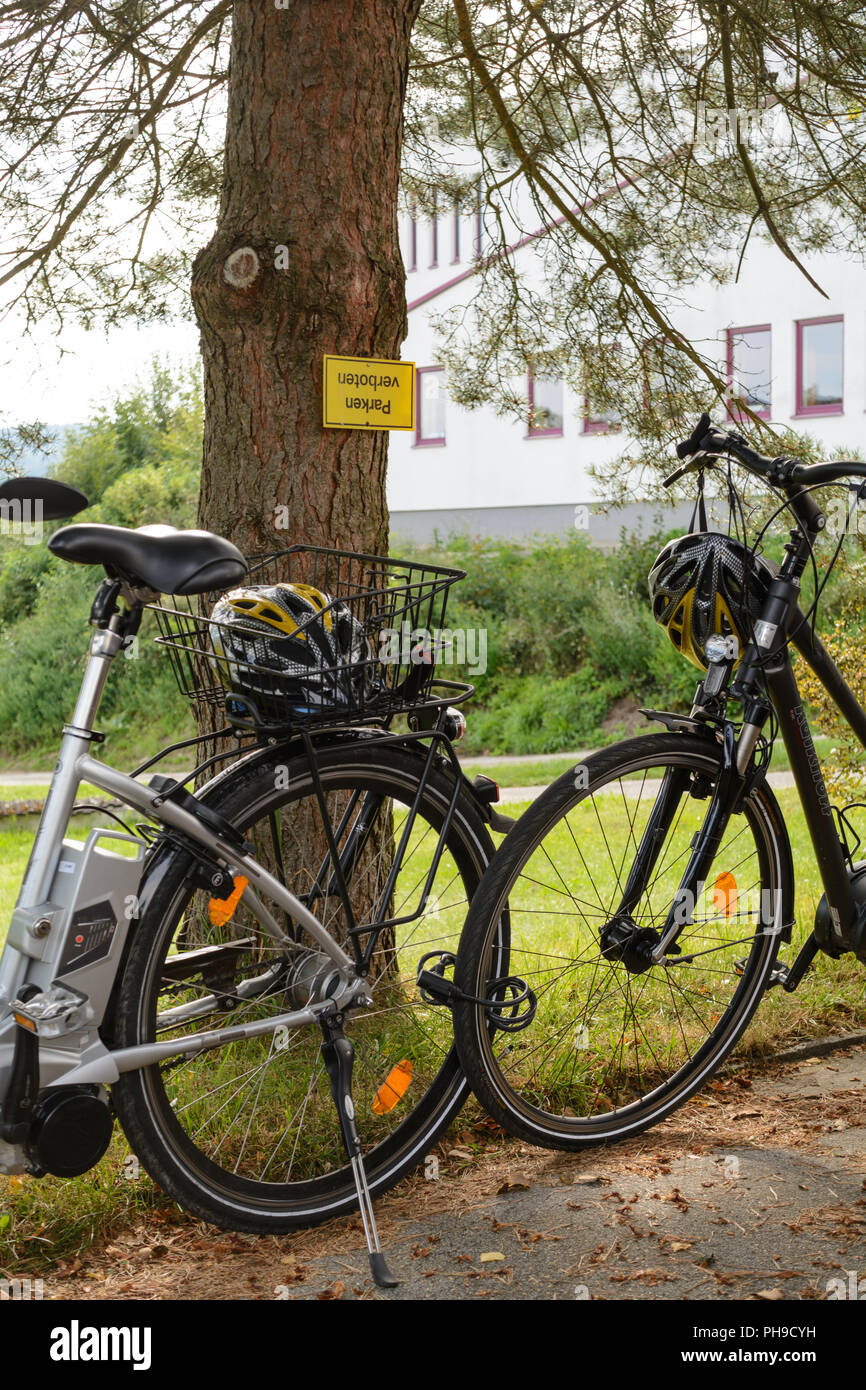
x,y
393,1088
221,910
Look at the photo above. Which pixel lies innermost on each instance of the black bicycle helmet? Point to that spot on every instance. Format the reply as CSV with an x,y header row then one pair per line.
x,y
706,583
292,644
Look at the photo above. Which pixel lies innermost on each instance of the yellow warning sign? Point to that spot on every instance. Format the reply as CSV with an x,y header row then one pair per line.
x,y
363,393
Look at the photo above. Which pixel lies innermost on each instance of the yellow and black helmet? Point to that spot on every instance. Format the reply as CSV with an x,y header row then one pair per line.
x,y
291,643
706,583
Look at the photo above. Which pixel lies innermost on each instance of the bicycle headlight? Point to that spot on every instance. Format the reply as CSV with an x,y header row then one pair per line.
x,y
717,648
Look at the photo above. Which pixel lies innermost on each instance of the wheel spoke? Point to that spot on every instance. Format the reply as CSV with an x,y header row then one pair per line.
x,y
614,1041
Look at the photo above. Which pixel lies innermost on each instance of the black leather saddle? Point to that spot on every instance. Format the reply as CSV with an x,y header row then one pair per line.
x,y
155,557
51,499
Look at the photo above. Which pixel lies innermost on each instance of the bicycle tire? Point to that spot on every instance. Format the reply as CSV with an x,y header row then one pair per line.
x,y
321,1186
530,1092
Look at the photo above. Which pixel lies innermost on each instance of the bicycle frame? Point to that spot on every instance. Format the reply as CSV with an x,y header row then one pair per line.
x,y
844,913
65,950
806,768
70,1050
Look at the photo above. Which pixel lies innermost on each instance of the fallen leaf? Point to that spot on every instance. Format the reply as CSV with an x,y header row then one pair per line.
x,y
677,1198
489,1255
335,1290
771,1295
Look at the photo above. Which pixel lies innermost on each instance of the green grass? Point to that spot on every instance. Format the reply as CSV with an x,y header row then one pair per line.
x,y
35,791
124,746
830,998
782,763
538,773
53,1218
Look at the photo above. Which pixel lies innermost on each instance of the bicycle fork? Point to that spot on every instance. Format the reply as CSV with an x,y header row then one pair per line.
x,y
641,948
338,1055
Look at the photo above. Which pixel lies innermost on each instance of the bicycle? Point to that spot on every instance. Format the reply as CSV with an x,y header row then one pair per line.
x,y
196,975
648,891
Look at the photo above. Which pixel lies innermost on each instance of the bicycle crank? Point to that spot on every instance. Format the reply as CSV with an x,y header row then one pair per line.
x,y
338,1055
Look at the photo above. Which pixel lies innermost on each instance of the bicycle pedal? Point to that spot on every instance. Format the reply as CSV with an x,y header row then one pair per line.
x,y
52,1013
778,975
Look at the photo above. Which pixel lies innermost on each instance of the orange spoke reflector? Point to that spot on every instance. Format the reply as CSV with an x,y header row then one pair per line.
x,y
393,1088
725,894
221,910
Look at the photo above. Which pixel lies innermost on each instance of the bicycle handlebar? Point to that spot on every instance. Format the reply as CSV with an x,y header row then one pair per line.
x,y
787,473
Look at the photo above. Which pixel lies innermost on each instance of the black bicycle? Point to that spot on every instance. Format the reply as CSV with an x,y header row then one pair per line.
x,y
648,890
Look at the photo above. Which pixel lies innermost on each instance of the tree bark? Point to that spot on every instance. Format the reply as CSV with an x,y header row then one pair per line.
x,y
305,261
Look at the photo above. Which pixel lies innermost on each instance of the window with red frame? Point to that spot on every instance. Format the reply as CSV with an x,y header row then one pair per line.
x,y
820,366
596,418
748,370
545,397
430,406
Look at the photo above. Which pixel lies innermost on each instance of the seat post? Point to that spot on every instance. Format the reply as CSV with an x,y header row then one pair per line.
x,y
77,737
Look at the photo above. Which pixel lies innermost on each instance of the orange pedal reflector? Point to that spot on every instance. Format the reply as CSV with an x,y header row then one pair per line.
x,y
725,894
221,910
393,1088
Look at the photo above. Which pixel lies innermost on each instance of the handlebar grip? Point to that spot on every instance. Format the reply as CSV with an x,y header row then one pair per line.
x,y
815,473
707,436
691,446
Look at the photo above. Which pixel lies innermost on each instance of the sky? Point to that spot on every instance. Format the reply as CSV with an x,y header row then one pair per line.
x,y
38,383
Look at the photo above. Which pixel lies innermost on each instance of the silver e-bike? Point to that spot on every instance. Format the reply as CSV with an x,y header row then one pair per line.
x,y
234,977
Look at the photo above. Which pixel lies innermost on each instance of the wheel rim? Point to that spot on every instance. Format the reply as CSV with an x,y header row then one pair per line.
x,y
256,1120
608,1050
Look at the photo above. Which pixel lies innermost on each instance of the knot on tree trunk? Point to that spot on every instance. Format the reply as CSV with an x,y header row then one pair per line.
x,y
242,268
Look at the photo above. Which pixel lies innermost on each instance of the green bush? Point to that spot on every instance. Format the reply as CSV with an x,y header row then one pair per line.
x,y
568,628
138,462
569,634
533,714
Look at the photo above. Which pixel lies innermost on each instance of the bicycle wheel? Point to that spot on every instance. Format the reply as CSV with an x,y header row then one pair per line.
x,y
611,1051
247,1136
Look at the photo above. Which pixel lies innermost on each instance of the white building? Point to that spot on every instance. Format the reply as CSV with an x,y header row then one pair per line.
x,y
799,357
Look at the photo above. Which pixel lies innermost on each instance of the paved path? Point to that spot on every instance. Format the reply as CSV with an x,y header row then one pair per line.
x,y
754,1190
767,1210
512,794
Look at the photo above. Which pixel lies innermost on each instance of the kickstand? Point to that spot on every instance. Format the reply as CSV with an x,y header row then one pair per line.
x,y
339,1056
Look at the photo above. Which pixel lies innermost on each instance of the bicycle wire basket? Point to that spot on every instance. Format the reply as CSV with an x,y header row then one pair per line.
x,y
397,605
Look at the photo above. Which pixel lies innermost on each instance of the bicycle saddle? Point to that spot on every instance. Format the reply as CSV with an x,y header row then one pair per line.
x,y
54,500
158,557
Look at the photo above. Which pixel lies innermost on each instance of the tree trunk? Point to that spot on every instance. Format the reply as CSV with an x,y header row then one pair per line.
x,y
305,261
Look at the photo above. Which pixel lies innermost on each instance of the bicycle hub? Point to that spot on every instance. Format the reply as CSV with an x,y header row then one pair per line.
x,y
624,941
